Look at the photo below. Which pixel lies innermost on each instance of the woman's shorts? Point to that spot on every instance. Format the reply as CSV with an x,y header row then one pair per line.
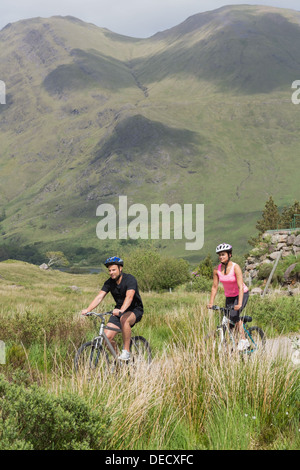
x,y
116,319
231,302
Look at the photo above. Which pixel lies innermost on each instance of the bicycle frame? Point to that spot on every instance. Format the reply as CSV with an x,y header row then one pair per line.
x,y
248,335
225,328
139,346
98,340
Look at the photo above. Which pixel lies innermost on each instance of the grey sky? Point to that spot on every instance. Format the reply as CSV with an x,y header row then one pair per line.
x,y
137,18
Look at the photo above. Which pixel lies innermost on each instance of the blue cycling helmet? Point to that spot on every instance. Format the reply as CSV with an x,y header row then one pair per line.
x,y
114,260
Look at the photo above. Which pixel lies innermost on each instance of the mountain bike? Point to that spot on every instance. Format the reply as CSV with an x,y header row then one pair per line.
x,y
225,340
99,355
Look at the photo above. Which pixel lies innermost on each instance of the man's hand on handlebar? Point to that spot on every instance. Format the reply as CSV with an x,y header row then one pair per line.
x,y
84,312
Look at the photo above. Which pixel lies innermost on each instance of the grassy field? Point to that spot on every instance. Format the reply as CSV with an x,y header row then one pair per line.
x,y
189,399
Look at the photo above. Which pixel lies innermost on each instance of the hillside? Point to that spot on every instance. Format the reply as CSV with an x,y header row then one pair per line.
x,y
200,113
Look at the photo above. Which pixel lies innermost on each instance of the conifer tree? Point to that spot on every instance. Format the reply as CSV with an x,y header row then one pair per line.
x,y
270,217
288,213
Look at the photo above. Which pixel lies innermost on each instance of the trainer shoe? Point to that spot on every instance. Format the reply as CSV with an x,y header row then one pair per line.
x,y
125,356
243,344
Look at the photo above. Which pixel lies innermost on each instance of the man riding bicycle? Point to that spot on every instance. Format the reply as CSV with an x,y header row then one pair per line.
x,y
129,306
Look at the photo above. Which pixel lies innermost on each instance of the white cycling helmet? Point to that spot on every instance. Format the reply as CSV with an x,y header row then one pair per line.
x,y
223,247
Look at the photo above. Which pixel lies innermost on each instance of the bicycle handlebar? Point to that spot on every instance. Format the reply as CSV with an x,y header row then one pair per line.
x,y
223,309
101,315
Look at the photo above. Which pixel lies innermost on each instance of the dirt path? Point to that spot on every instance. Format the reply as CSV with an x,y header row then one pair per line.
x,y
284,346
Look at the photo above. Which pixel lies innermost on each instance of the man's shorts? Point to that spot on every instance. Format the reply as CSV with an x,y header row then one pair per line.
x,y
116,319
231,302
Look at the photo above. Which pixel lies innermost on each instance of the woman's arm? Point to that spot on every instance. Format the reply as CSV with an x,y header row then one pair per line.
x,y
214,288
240,283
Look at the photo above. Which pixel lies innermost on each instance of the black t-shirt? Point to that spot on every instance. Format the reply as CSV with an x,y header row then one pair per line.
x,y
118,292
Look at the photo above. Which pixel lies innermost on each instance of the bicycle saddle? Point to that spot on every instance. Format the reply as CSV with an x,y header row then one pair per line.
x,y
246,319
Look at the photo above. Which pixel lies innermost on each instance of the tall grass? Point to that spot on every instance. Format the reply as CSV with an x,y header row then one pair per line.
x,y
192,398
189,398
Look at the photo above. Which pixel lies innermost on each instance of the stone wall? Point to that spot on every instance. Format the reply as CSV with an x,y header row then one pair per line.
x,y
284,241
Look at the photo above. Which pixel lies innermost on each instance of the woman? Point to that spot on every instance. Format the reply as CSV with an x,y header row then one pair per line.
x,y
236,292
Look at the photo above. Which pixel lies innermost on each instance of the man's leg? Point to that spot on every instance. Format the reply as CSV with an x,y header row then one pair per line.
x,y
111,334
128,319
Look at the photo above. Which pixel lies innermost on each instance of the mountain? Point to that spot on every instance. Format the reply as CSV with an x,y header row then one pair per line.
x,y
197,114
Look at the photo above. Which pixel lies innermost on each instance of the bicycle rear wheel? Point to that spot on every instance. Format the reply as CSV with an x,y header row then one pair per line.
x,y
140,351
91,358
257,339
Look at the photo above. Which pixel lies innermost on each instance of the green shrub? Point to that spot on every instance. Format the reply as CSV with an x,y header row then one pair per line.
x,y
199,284
264,271
170,273
155,271
205,268
33,418
281,314
16,356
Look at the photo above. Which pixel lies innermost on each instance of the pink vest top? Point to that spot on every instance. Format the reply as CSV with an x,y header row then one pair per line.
x,y
229,282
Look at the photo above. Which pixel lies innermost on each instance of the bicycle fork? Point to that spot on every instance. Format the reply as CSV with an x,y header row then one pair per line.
x,y
223,329
98,341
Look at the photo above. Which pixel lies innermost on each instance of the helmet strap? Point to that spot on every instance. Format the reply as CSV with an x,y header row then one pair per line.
x,y
226,264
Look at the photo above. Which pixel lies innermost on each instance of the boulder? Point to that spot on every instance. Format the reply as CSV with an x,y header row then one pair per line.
x,y
250,267
256,291
274,255
297,241
44,266
75,288
280,246
290,240
287,273
296,250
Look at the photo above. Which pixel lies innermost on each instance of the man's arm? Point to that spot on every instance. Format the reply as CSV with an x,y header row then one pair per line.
x,y
95,302
127,302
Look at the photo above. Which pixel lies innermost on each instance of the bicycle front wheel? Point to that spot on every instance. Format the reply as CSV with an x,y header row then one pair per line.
x,y
257,339
140,351
91,358
217,340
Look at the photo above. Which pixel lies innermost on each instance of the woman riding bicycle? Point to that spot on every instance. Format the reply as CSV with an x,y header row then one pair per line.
x,y
236,292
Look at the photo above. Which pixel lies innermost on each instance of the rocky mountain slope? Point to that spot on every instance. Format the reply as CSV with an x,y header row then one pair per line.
x,y
198,114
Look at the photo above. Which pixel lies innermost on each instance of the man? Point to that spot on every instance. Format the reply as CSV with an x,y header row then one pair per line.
x,y
129,306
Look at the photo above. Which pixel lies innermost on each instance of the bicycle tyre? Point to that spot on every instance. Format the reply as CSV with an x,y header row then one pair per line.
x,y
212,339
219,341
90,358
257,338
140,351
